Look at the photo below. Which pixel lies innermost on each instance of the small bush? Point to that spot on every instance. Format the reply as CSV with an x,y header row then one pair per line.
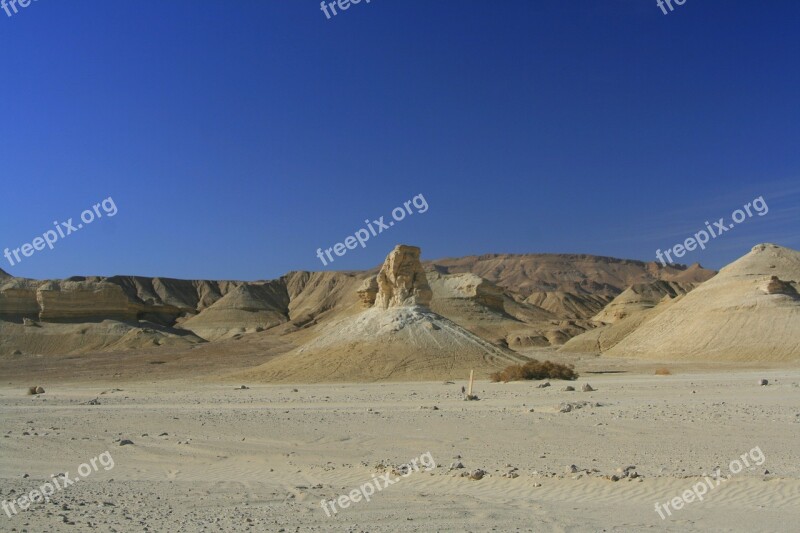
x,y
535,370
663,371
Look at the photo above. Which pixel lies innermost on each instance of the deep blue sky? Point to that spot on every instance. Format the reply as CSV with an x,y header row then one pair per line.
x,y
238,137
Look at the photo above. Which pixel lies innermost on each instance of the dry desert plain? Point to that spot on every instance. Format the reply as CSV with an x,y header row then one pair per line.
x,y
214,457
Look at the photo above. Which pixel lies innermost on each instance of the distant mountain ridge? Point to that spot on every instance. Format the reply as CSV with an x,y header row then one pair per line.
x,y
569,285
513,300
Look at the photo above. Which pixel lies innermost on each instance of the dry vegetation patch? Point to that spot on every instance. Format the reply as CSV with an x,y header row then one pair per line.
x,y
535,370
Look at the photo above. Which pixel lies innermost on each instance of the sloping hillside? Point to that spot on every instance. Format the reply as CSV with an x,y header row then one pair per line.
x,y
750,311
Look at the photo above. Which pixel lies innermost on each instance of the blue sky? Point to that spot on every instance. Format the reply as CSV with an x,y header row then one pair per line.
x,y
236,138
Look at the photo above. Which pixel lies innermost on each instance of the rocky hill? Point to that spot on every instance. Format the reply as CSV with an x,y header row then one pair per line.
x,y
569,286
749,312
396,336
509,301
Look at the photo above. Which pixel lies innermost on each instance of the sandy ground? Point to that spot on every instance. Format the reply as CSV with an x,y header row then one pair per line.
x,y
208,457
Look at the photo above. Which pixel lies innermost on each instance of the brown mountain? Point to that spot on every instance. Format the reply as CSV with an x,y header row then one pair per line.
x,y
507,300
567,285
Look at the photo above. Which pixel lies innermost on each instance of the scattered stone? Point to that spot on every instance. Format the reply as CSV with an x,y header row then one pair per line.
x,y
566,407
477,474
470,397
401,470
243,387
543,385
125,442
571,469
587,388
95,401
435,408
763,382
35,390
456,465
568,388
615,478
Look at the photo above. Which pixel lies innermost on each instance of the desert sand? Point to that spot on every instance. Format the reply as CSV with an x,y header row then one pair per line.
x,y
214,457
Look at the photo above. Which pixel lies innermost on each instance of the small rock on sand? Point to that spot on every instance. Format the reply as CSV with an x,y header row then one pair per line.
x,y
477,474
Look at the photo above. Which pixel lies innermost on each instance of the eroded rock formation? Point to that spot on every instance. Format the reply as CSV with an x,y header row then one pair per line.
x,y
778,286
401,281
